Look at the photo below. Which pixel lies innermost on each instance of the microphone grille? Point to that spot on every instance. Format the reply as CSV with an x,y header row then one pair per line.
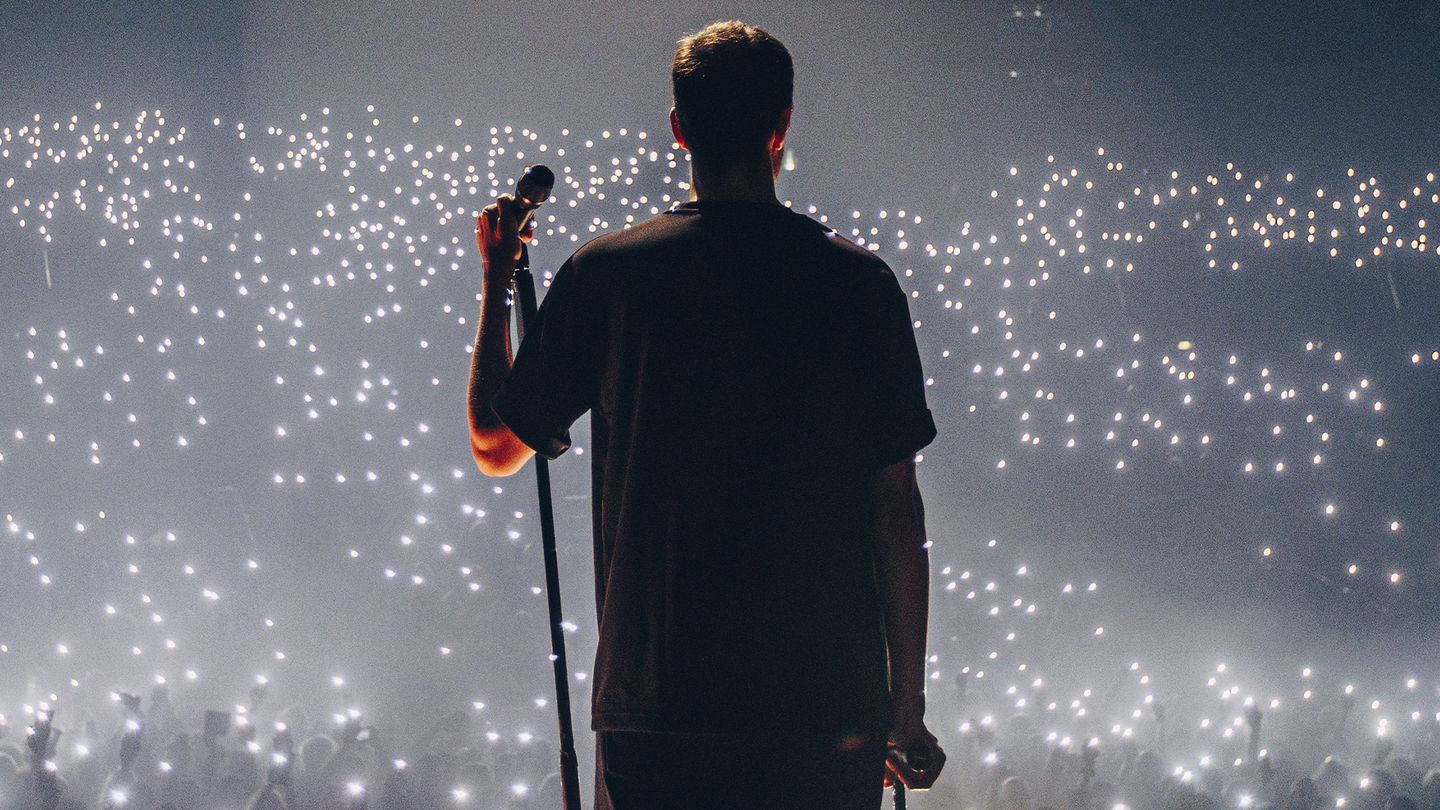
x,y
534,185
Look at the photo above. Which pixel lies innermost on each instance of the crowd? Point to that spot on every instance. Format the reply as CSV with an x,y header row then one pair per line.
x,y
152,757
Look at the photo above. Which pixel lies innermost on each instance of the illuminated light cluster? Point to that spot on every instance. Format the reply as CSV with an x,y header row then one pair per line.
x,y
347,321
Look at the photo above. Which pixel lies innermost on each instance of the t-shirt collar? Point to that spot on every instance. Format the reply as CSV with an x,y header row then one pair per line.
x,y
707,205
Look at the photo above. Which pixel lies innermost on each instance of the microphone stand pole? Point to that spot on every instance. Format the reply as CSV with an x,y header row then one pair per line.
x,y
522,286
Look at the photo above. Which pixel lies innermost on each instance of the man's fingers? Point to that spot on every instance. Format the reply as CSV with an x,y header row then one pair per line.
x,y
892,776
923,780
897,771
487,225
505,205
482,230
911,777
497,227
506,222
916,780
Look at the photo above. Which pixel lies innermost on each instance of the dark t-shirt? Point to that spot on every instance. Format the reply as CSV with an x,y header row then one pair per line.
x,y
745,367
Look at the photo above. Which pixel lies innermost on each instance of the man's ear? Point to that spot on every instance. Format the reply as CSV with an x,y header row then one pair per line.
x,y
782,129
675,129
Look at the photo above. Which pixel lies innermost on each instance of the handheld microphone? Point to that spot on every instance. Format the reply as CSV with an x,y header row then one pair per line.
x,y
532,190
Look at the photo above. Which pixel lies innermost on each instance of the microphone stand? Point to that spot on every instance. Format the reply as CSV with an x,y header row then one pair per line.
x,y
522,286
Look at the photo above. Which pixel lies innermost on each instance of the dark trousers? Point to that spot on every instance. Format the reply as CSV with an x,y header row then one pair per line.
x,y
637,770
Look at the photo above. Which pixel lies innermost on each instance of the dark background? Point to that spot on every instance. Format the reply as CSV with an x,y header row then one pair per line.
x,y
910,103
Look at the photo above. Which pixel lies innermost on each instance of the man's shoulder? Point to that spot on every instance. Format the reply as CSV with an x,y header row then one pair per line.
x,y
826,246
804,234
852,251
844,259
627,242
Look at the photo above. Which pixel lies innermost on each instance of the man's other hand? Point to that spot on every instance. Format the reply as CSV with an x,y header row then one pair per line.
x,y
914,756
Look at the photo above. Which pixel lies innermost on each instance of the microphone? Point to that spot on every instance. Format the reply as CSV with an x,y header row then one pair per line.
x,y
532,190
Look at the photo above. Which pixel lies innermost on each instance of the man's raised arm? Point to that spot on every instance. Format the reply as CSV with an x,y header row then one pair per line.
x,y
497,451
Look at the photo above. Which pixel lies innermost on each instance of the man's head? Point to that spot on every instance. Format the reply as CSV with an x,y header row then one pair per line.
x,y
733,88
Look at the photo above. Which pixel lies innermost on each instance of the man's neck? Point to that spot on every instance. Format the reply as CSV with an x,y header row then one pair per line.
x,y
739,183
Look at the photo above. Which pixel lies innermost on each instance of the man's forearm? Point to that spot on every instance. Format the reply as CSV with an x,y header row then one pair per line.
x,y
491,359
902,568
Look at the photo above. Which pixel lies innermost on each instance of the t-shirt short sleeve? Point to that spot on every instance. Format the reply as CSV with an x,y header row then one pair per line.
x,y
896,421
553,379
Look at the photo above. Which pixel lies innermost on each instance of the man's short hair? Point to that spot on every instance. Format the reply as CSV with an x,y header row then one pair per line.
x,y
731,82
